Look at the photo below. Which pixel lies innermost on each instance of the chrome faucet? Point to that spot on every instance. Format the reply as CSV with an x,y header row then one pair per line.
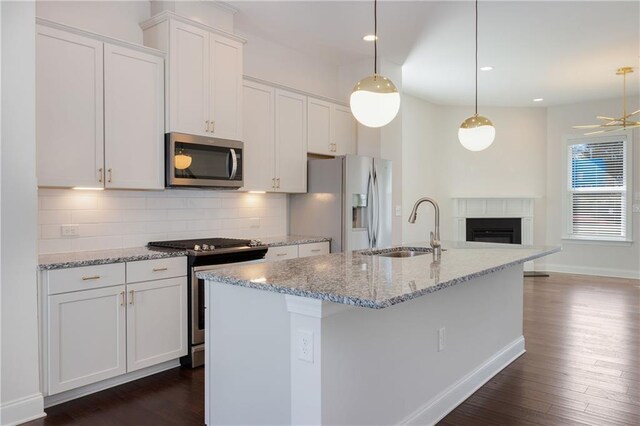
x,y
435,236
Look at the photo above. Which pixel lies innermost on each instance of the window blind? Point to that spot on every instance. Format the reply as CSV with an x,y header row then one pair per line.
x,y
597,190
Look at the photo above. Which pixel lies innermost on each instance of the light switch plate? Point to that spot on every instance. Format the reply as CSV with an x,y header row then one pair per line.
x,y
398,210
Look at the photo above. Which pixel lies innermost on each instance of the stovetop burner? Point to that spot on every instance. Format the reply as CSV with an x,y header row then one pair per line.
x,y
210,243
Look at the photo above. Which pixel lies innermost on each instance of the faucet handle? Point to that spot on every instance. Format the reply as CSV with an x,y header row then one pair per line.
x,y
434,242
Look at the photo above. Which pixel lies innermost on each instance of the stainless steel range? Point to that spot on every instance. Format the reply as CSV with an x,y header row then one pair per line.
x,y
206,254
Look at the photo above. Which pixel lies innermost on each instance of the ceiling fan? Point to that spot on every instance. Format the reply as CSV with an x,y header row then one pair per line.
x,y
612,124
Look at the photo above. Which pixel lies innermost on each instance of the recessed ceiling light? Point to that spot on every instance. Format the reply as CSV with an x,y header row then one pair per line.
x,y
487,68
538,100
370,37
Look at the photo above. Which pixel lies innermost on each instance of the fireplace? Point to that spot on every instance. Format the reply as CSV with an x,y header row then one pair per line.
x,y
507,230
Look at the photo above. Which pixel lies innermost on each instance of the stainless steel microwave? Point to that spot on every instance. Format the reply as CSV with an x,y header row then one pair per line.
x,y
202,162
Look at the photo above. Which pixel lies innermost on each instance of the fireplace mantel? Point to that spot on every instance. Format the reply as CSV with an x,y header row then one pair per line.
x,y
485,207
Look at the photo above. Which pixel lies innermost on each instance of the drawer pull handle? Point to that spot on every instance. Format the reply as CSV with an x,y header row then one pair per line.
x,y
315,250
132,293
159,269
94,277
281,254
122,298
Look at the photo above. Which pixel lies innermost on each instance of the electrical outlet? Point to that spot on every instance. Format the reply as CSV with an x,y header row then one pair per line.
x,y
441,339
305,346
70,230
636,208
398,210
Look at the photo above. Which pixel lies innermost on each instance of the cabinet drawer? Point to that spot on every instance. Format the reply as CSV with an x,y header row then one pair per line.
x,y
281,253
313,249
156,269
85,278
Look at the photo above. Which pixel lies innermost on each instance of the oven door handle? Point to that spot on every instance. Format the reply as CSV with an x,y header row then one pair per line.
x,y
234,164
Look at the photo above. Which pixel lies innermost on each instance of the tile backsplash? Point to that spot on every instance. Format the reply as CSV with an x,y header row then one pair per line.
x,y
116,219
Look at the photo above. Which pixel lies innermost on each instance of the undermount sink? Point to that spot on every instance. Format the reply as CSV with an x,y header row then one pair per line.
x,y
397,251
403,253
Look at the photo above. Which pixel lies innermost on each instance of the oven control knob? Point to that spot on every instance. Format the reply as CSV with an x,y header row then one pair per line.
x,y
196,248
205,247
255,243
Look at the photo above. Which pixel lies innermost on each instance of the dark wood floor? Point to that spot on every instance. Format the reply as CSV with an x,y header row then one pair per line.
x,y
582,366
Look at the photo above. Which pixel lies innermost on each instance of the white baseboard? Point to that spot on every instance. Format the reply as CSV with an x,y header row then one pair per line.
x,y
587,270
442,404
59,398
22,410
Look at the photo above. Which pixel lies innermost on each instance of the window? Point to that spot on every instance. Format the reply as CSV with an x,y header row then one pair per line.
x,y
598,181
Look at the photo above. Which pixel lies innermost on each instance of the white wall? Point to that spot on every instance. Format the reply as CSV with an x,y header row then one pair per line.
x,y
275,63
420,173
437,165
585,257
20,397
118,19
116,219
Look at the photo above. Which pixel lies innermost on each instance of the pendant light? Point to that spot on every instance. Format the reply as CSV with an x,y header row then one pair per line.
x,y
477,132
375,100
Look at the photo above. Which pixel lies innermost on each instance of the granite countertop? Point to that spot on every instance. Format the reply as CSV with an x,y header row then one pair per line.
x,y
292,240
376,282
102,257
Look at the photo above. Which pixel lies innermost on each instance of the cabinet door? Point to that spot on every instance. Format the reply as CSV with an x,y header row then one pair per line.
x,y
188,79
319,127
259,137
344,130
225,100
156,322
291,142
86,333
134,119
69,109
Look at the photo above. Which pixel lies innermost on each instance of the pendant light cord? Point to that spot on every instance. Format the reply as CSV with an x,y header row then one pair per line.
x,y
476,57
375,37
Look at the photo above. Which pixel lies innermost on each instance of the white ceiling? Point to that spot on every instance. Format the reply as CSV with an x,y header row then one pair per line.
x,y
564,52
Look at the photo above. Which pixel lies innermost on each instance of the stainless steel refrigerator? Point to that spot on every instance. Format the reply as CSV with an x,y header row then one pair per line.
x,y
348,199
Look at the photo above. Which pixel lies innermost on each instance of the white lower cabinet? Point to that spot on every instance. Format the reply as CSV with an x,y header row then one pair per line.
x,y
295,251
96,327
87,337
156,322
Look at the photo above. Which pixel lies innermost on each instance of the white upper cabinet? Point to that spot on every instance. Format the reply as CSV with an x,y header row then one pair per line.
x,y
188,79
259,137
225,99
99,111
134,124
204,78
291,142
275,138
319,127
331,128
69,109
343,130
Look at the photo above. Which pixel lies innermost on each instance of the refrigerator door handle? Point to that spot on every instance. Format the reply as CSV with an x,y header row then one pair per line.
x,y
370,209
376,207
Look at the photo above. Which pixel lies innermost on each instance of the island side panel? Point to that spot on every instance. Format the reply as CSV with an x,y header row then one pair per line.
x,y
384,367
248,365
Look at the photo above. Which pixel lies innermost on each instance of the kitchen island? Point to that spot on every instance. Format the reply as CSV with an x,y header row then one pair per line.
x,y
362,338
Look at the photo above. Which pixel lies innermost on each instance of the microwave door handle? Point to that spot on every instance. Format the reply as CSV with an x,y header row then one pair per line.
x,y
234,164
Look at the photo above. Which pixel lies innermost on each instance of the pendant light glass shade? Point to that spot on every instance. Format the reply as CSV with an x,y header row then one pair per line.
x,y
375,101
476,133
